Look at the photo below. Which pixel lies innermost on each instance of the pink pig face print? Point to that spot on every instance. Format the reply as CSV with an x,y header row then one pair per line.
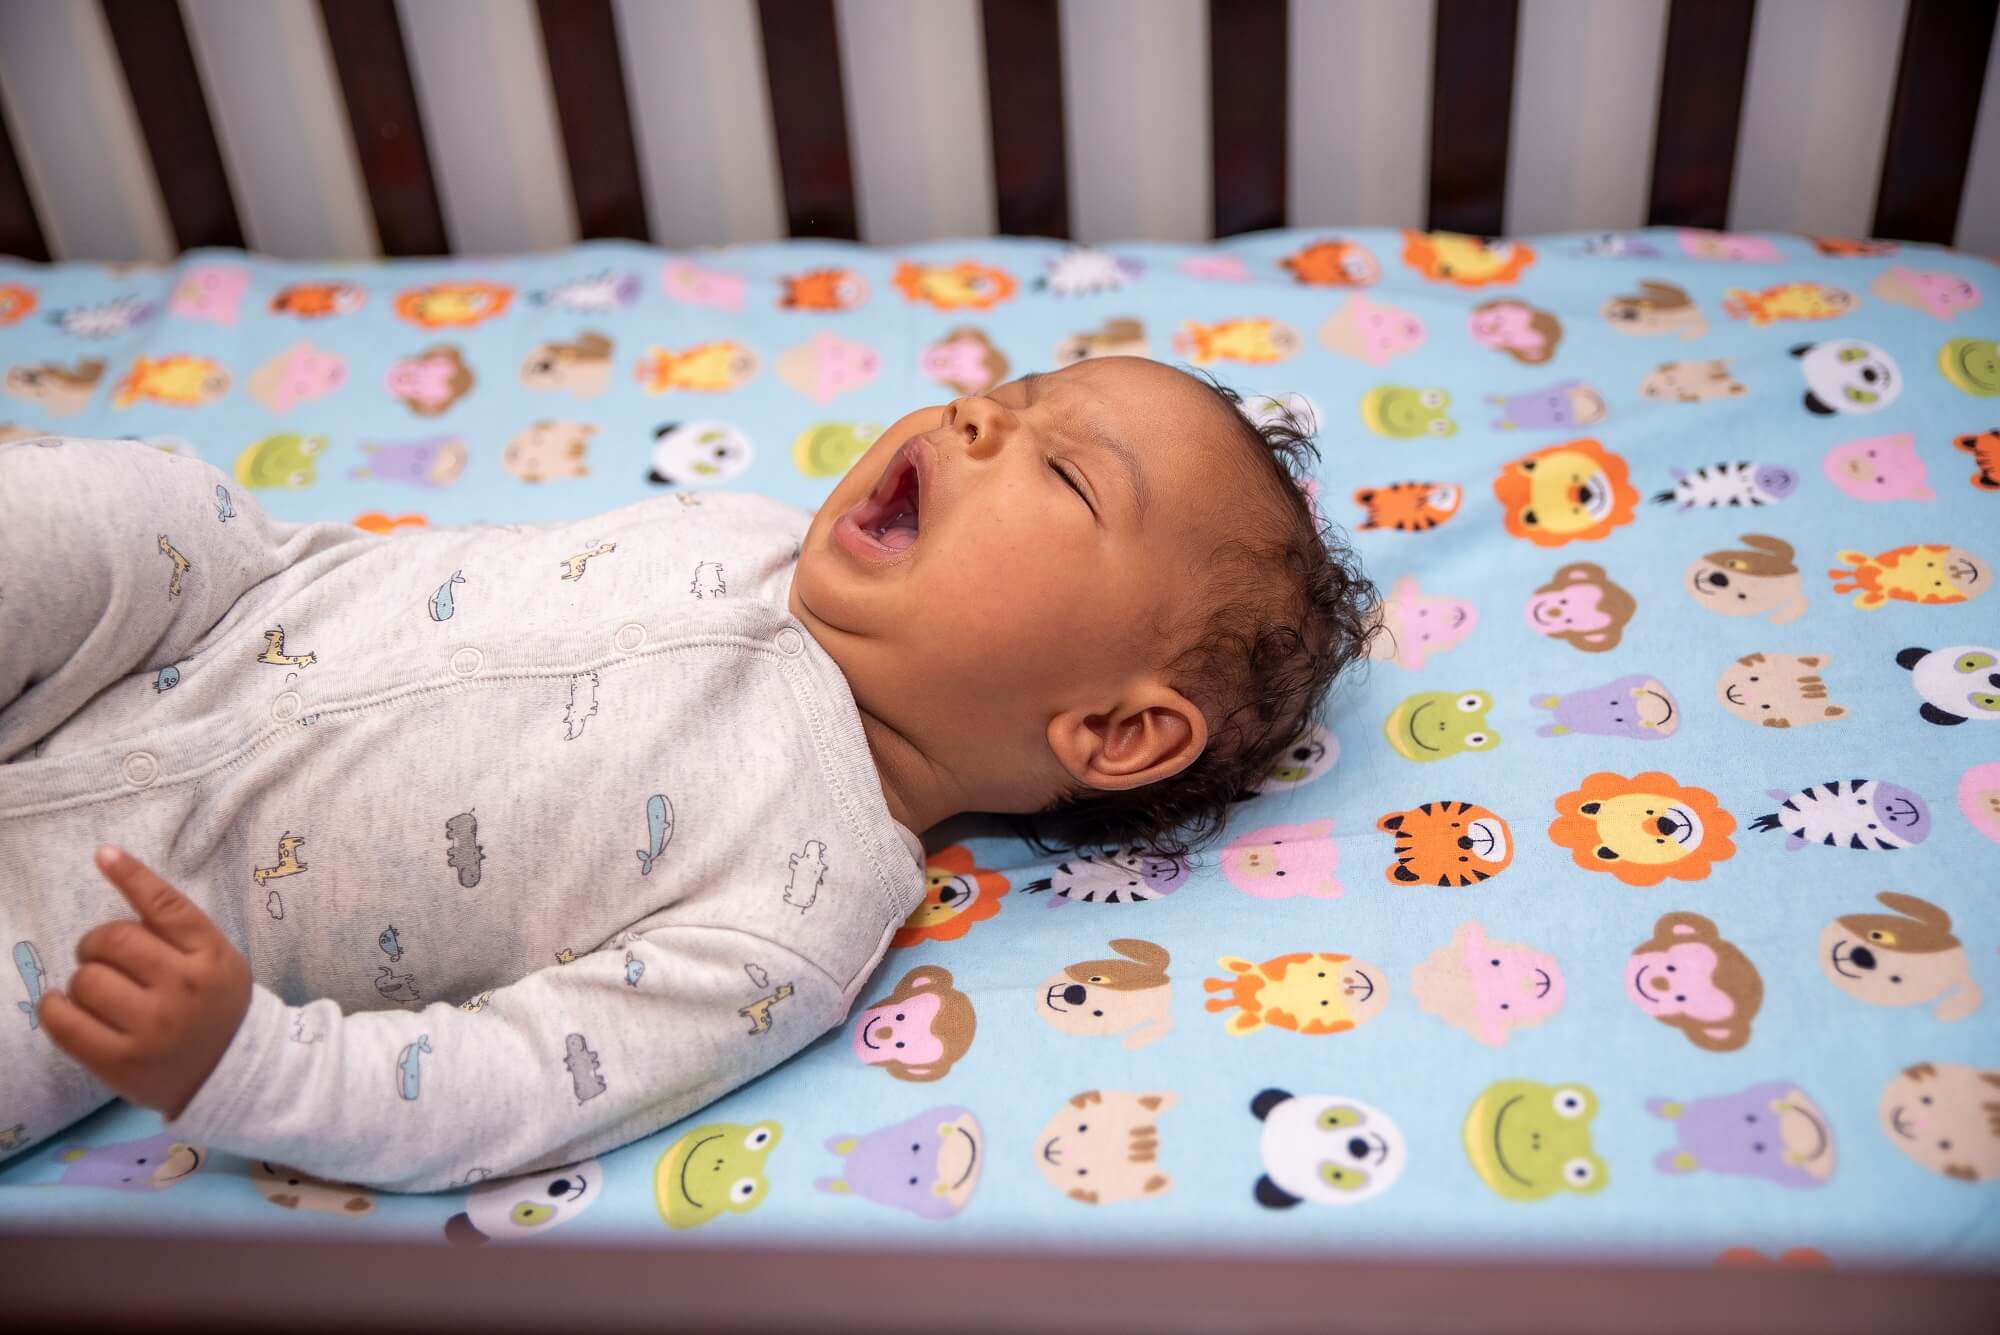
x,y
827,366
210,292
697,286
298,375
1284,861
1737,246
1371,331
1880,468
1488,988
1417,625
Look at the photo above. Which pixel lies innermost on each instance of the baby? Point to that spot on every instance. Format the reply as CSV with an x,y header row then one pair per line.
x,y
384,794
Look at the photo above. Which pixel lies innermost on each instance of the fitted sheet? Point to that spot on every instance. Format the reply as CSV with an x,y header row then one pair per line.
x,y
1595,476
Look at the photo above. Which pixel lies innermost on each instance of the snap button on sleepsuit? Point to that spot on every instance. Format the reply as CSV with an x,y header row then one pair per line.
x,y
466,661
140,768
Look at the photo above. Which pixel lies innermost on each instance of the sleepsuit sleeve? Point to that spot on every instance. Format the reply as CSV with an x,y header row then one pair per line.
x,y
568,1062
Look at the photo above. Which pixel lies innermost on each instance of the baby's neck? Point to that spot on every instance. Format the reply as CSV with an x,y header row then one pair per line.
x,y
919,794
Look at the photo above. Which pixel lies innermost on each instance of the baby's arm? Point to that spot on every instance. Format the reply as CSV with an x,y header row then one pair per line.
x,y
571,1061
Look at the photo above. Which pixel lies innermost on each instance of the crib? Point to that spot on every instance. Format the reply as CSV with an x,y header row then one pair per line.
x,y
1720,259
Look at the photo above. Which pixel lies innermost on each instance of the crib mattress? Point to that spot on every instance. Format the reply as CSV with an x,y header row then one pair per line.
x,y
1639,902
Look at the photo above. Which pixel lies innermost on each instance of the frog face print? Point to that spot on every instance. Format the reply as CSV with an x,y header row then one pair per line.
x,y
1406,413
712,1169
1528,1141
1431,725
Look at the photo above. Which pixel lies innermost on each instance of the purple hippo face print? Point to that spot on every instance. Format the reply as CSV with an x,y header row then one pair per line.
x,y
1566,404
927,1165
151,1164
1638,707
433,461
1770,1130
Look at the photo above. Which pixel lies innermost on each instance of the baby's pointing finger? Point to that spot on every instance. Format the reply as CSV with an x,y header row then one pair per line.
x,y
164,909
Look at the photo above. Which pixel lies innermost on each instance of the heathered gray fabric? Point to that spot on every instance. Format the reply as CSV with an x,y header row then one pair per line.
x,y
538,837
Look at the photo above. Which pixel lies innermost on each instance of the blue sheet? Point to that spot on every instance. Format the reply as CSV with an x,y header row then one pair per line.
x,y
1632,940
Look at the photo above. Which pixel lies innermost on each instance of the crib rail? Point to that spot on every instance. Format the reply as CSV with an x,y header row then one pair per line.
x,y
130,129
127,1281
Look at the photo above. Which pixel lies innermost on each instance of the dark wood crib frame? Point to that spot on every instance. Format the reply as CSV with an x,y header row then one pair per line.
x,y
224,1282
1939,78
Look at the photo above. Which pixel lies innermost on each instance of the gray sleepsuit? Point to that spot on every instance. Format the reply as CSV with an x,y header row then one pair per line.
x,y
537,837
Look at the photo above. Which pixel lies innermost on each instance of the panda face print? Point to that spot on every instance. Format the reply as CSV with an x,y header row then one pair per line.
x,y
1848,376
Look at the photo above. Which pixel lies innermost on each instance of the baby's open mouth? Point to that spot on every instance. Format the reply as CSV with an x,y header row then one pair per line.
x,y
889,515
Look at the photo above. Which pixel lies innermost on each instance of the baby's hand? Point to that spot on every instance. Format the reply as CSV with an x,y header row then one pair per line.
x,y
154,1003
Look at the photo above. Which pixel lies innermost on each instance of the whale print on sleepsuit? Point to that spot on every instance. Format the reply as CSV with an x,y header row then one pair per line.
x,y
659,830
408,1075
441,604
33,977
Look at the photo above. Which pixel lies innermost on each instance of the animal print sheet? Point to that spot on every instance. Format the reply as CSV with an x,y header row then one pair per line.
x,y
1642,898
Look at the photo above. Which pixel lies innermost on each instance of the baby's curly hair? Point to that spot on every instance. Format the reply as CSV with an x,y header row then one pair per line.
x,y
1285,611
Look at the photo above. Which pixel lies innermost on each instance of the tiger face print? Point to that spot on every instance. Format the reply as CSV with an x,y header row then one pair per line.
x,y
1409,507
1985,451
1447,843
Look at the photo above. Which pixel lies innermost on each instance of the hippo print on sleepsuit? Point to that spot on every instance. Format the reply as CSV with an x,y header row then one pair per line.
x,y
1770,1130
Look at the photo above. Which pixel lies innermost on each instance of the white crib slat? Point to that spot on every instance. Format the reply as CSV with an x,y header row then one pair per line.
x,y
1135,93
695,74
1815,115
77,135
1585,94
1360,105
915,79
271,92
1979,209
490,122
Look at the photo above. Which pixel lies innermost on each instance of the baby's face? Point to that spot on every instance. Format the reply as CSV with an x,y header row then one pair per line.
x,y
1057,521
